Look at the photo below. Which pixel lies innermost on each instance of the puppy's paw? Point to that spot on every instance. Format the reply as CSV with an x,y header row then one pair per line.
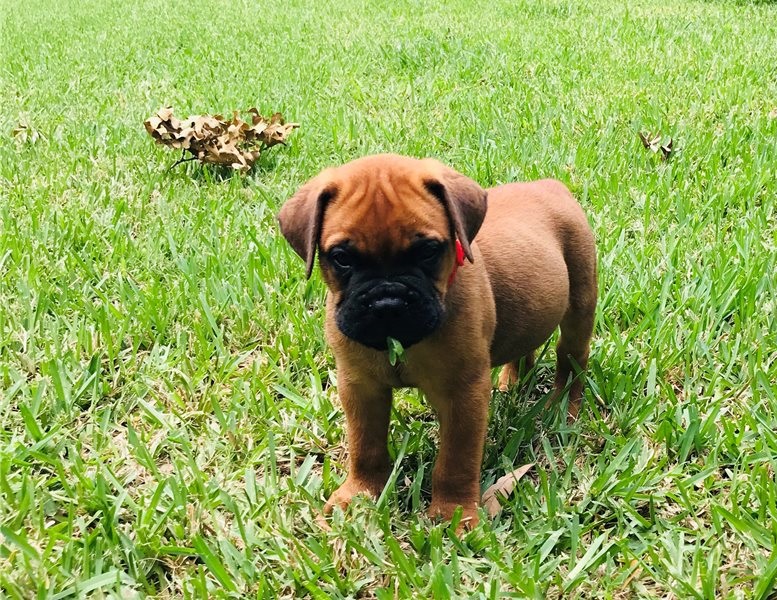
x,y
445,510
574,402
508,376
343,495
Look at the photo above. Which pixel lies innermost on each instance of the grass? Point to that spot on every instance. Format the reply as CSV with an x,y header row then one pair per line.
x,y
170,426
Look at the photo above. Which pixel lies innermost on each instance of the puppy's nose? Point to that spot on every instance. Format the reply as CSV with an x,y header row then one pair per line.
x,y
389,306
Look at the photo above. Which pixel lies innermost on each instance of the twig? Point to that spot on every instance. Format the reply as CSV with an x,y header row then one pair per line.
x,y
181,160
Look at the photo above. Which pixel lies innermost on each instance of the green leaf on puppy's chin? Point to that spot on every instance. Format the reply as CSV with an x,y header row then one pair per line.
x,y
396,351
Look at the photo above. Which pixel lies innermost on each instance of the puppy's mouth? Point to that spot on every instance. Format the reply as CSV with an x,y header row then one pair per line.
x,y
378,310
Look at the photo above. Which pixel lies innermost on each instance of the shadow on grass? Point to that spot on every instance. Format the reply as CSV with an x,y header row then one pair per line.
x,y
210,173
519,424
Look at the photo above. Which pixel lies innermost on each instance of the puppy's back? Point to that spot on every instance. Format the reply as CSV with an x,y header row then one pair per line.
x,y
539,253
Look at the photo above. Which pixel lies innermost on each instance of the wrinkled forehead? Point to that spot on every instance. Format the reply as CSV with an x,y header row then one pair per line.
x,y
382,214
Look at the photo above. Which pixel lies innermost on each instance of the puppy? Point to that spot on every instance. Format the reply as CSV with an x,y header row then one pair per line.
x,y
392,234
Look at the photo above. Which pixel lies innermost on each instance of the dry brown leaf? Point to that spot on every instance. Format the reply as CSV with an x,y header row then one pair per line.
x,y
503,487
212,139
24,134
636,572
647,139
165,113
656,142
667,148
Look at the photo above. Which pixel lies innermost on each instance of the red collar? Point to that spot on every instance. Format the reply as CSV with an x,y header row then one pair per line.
x,y
459,262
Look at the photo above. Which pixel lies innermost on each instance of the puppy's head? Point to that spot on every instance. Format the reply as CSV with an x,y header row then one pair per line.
x,y
385,229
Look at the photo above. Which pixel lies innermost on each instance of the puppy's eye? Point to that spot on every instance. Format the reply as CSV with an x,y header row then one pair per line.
x,y
341,258
429,252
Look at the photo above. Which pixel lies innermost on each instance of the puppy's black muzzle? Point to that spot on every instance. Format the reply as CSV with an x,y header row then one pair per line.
x,y
389,300
381,308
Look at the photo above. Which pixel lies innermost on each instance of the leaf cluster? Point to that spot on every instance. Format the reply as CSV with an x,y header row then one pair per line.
x,y
215,140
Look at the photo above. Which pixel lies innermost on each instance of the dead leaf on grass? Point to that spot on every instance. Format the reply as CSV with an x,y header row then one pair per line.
x,y
215,140
23,133
503,487
656,142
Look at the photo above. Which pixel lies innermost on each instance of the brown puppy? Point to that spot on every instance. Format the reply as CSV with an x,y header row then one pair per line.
x,y
386,229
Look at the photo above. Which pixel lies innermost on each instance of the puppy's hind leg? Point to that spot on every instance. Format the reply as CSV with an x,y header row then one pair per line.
x,y
572,359
514,372
578,323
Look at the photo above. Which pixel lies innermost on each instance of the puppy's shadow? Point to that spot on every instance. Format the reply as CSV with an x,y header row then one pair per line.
x,y
517,420
208,173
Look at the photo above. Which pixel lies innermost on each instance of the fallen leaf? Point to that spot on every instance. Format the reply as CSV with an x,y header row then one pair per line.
x,y
165,113
666,149
24,134
212,139
503,487
656,142
636,572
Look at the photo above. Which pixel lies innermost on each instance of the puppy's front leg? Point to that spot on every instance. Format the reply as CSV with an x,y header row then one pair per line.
x,y
462,408
367,409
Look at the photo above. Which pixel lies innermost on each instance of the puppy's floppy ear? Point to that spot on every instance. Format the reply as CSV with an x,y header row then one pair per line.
x,y
302,216
464,201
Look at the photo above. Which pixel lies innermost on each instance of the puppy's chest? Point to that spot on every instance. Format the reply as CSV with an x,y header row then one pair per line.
x,y
397,376
378,368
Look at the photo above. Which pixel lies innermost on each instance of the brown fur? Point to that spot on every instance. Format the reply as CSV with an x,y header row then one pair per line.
x,y
533,268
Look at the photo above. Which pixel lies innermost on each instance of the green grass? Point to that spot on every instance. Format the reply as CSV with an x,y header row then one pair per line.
x,y
169,421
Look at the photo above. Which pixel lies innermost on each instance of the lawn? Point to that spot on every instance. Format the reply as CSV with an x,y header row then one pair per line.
x,y
169,423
